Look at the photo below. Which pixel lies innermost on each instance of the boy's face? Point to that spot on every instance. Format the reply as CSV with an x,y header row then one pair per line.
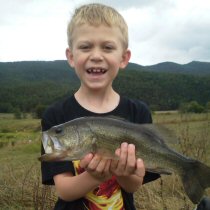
x,y
97,54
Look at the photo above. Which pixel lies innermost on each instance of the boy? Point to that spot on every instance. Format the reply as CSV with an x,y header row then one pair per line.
x,y
98,48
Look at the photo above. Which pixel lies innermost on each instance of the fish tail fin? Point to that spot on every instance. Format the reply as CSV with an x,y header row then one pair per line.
x,y
196,179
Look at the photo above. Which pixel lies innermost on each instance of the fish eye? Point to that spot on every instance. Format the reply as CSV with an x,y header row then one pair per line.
x,y
58,130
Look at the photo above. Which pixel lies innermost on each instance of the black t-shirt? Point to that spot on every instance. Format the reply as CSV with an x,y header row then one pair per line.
x,y
69,109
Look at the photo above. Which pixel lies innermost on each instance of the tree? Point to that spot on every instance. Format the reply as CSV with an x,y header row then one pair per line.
x,y
208,106
192,106
39,109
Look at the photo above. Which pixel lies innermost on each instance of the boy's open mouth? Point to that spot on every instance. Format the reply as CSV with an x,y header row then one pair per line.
x,y
96,71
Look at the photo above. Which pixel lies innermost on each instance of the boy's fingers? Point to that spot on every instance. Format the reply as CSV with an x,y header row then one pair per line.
x,y
123,153
131,160
86,160
123,158
114,163
140,168
101,167
94,163
117,152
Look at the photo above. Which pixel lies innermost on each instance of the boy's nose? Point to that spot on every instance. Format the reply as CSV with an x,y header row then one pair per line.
x,y
96,55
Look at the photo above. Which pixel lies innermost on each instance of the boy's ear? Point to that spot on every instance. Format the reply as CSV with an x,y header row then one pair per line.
x,y
69,56
125,58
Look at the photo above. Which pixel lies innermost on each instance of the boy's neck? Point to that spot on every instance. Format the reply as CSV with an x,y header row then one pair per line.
x,y
98,101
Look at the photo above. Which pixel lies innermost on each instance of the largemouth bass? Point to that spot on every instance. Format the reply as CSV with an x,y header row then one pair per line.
x,y
74,139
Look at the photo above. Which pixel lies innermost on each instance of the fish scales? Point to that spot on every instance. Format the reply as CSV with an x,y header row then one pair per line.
x,y
133,134
74,139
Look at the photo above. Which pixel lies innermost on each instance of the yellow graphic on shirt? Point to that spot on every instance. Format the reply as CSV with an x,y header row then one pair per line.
x,y
107,196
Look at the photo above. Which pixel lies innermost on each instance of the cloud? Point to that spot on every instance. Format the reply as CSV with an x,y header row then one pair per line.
x,y
178,32
159,30
124,5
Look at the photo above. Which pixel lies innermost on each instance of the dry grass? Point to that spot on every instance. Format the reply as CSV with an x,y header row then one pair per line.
x,y
167,193
20,181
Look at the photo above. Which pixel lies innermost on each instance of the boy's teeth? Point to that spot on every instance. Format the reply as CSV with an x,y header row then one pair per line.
x,y
96,71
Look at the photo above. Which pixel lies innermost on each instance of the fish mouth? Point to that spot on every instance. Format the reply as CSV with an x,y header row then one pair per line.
x,y
63,155
96,70
55,156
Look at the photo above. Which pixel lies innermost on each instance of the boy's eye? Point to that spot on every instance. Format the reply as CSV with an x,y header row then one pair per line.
x,y
108,47
84,47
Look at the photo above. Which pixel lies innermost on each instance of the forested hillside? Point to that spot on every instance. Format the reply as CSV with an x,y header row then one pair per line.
x,y
194,67
25,85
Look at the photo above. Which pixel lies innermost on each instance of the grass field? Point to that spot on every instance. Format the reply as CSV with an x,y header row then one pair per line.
x,y
20,181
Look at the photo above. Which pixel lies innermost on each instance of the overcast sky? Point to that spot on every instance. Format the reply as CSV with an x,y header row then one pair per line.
x,y
159,30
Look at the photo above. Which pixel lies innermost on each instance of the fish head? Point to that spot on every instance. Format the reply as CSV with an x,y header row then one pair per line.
x,y
68,142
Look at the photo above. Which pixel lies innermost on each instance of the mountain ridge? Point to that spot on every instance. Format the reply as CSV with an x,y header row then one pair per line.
x,y
28,84
194,67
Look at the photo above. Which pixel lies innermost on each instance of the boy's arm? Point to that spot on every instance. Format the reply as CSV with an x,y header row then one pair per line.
x,y
128,171
71,187
130,183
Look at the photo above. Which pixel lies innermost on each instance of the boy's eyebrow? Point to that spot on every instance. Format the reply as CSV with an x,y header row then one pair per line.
x,y
90,42
110,41
84,41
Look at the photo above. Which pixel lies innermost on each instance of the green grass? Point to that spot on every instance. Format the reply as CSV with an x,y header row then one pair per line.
x,y
20,181
20,176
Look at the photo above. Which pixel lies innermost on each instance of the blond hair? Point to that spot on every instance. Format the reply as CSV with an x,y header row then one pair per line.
x,y
95,15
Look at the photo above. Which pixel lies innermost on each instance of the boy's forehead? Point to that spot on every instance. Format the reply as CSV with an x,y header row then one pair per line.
x,y
85,29
97,34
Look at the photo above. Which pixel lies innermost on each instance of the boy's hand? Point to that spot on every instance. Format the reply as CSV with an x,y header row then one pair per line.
x,y
127,163
97,166
102,169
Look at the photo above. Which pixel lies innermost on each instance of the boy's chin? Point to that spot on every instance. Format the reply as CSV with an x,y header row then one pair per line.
x,y
97,86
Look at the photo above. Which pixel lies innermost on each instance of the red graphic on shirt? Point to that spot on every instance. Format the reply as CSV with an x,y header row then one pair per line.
x,y
107,188
99,198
